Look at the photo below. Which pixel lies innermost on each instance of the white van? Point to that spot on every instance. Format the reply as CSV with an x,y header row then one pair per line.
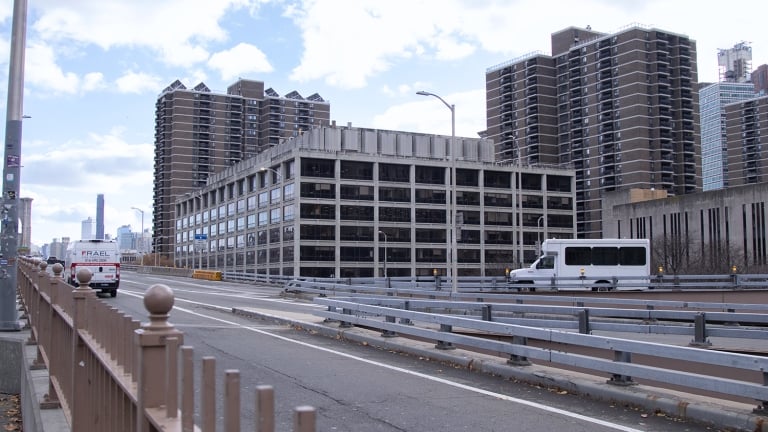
x,y
101,257
584,264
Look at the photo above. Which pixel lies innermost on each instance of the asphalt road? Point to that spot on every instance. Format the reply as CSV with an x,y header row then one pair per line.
x,y
361,388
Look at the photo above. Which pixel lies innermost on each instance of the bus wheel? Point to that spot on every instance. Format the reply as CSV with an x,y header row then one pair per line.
x,y
113,293
602,286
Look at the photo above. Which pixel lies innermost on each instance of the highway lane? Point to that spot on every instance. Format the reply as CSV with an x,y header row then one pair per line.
x,y
359,388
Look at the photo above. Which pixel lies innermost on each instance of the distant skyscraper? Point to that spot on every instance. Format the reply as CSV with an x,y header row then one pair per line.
x,y
100,216
713,98
25,214
86,232
124,237
735,63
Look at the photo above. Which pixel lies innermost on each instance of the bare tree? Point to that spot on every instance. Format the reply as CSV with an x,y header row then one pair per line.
x,y
674,254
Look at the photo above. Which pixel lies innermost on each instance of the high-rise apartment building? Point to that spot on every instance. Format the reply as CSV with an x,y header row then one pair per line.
x,y
199,133
760,79
746,125
619,108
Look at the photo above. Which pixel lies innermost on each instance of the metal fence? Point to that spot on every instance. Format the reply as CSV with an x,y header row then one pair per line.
x,y
107,371
741,376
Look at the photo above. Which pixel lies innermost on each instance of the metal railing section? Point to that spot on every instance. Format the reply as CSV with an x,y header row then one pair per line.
x,y
107,371
446,331
476,284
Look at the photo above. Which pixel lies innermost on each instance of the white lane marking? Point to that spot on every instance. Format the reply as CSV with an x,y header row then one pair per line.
x,y
259,297
409,372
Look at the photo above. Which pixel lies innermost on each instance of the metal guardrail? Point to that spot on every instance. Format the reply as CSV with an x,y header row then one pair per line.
x,y
501,283
132,381
622,369
700,320
664,318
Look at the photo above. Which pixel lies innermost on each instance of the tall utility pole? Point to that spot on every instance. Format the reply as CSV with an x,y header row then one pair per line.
x,y
9,212
453,256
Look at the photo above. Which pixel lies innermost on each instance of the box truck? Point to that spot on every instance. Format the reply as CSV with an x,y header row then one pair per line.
x,y
101,257
588,264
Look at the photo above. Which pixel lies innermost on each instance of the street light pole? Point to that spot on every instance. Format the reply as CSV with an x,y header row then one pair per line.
x,y
142,232
385,252
452,211
538,225
9,211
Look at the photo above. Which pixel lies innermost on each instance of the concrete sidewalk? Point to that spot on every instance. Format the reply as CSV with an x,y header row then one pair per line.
x,y
724,415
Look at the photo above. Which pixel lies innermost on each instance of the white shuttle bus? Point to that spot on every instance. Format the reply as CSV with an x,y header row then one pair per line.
x,y
101,257
589,264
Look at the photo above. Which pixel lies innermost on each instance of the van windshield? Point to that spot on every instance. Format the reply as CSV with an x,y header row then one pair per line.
x,y
546,263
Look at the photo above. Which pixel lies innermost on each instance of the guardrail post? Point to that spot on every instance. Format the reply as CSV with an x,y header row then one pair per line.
x,y
519,360
330,309
406,306
345,324
584,322
389,333
700,331
442,345
150,341
618,379
487,313
650,319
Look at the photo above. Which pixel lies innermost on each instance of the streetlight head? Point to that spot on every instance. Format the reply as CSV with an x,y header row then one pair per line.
x,y
423,93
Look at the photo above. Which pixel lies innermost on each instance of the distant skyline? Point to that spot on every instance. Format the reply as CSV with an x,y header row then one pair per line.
x,y
94,70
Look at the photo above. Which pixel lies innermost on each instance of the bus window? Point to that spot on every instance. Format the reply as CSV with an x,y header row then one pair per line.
x,y
632,256
602,255
578,255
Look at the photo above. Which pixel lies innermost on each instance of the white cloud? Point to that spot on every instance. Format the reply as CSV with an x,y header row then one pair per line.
x,y
433,117
138,82
40,69
177,29
93,81
82,169
240,60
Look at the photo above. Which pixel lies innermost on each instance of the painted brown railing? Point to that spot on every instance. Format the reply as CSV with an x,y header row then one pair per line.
x,y
109,372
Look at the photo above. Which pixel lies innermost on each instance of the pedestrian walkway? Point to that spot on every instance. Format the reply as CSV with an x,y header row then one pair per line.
x,y
715,412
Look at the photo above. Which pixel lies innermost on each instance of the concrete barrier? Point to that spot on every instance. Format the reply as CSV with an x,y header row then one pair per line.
x,y
213,275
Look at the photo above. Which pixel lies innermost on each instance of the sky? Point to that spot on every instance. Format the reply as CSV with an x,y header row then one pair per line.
x,y
94,70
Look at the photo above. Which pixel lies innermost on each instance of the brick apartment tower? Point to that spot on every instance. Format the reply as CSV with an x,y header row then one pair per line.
x,y
621,109
198,133
746,125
